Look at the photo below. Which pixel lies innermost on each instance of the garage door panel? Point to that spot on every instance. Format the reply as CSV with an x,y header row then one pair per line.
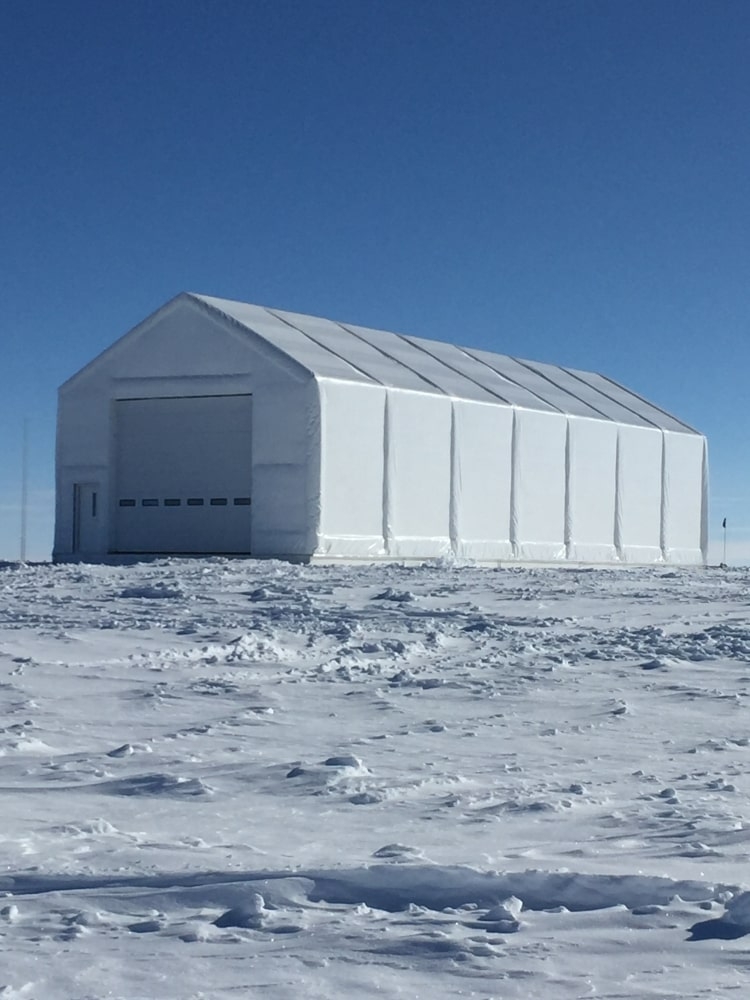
x,y
183,474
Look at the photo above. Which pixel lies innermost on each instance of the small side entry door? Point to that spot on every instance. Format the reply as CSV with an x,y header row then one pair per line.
x,y
86,517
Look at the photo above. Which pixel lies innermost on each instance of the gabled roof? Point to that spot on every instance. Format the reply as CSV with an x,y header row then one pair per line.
x,y
354,353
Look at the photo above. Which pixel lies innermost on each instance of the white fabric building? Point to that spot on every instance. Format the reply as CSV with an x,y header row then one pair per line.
x,y
222,427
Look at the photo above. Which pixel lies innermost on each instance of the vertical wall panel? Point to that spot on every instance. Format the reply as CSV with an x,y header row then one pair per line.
x,y
592,484
539,485
481,480
683,491
418,429
640,493
352,432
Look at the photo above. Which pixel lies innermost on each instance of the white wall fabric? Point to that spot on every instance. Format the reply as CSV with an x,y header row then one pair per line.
x,y
539,490
352,469
286,466
592,482
683,481
639,495
418,475
481,483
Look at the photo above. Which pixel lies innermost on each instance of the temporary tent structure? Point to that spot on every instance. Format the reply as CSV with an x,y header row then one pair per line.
x,y
222,427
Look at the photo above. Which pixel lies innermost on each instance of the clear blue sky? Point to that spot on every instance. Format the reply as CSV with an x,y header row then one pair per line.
x,y
566,181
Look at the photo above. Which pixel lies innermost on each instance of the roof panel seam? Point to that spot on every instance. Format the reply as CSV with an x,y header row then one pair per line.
x,y
468,351
651,405
324,347
617,398
531,368
617,402
622,403
390,357
451,368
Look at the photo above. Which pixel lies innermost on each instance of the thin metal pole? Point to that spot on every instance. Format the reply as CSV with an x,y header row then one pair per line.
x,y
24,486
724,560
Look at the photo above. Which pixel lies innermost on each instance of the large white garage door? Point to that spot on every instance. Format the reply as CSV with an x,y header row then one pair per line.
x,y
183,474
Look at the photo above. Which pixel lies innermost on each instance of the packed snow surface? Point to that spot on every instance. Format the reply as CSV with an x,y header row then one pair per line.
x,y
233,778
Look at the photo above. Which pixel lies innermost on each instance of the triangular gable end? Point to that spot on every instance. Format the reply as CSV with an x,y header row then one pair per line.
x,y
186,300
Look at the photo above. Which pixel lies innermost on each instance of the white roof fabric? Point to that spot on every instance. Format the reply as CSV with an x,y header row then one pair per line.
x,y
358,354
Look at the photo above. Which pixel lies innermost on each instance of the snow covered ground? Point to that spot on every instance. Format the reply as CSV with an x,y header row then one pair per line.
x,y
235,779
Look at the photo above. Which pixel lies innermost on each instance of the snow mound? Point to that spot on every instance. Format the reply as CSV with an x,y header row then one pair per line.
x,y
153,785
152,592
